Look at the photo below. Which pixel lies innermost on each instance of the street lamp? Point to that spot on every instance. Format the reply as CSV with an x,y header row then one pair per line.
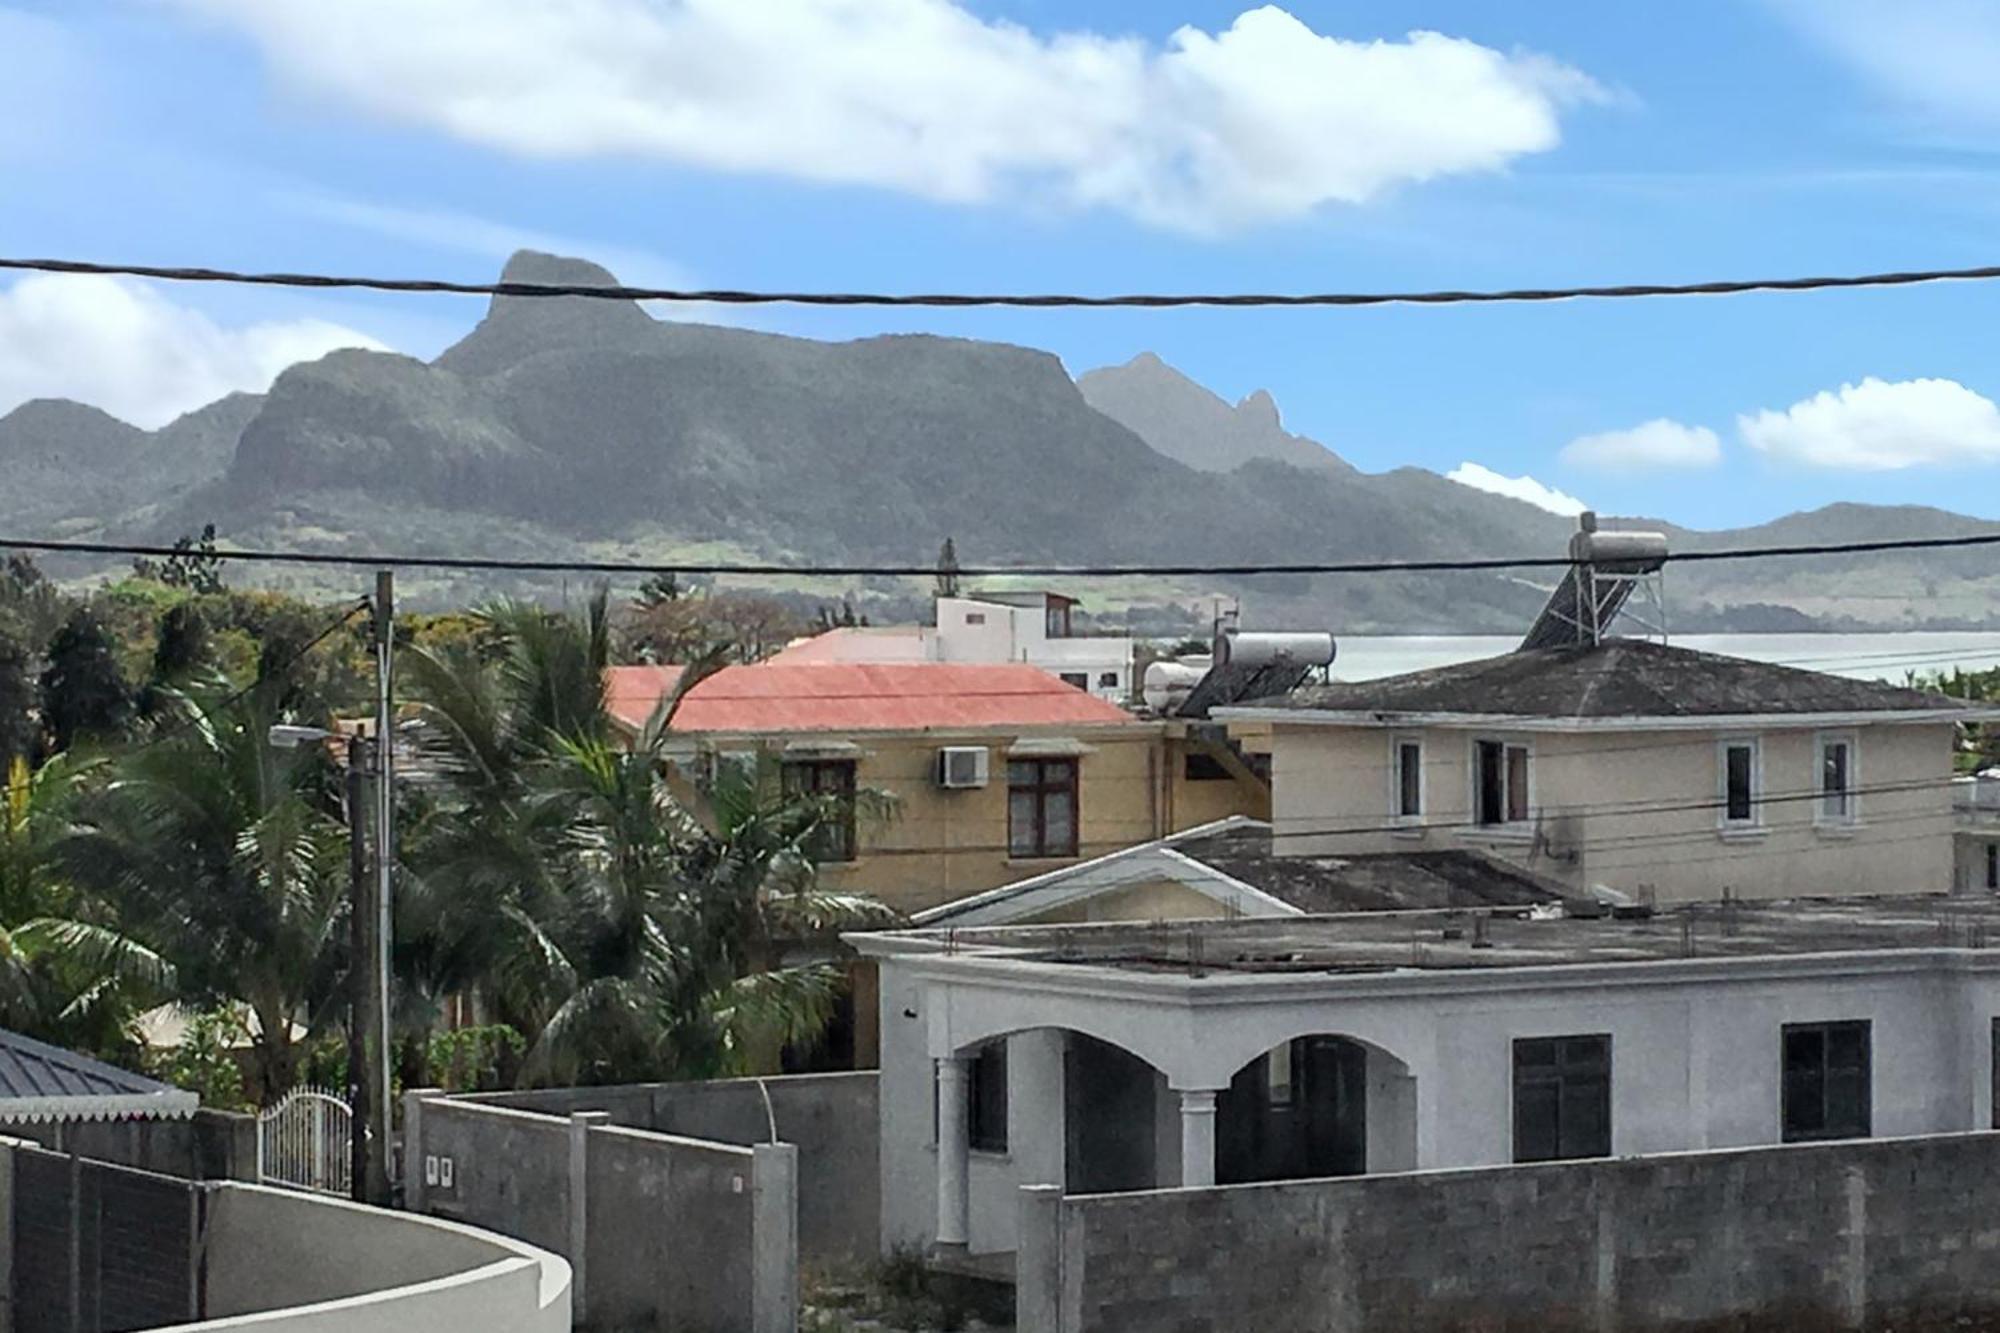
x,y
368,991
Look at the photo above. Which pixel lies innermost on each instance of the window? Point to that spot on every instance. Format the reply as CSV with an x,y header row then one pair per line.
x,y
1993,866
1409,775
1055,620
1837,803
1739,784
986,1098
1041,807
1502,782
975,617
832,781
1562,1098
1827,1093
1080,679
1107,680
1203,768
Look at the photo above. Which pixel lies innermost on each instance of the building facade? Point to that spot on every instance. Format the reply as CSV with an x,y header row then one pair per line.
x,y
1136,1057
1653,774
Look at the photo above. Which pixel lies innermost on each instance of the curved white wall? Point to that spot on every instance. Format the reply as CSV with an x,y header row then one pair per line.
x,y
283,1262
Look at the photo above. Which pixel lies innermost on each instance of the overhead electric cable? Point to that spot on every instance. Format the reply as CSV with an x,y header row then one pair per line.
x,y
730,296
641,567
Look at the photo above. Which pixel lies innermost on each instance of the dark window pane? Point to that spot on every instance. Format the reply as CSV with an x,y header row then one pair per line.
x,y
1738,806
1517,784
1409,780
1562,1098
986,1099
1492,782
1827,1092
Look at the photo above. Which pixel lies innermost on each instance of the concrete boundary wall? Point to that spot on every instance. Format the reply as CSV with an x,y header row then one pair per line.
x,y
830,1118
660,1229
1861,1234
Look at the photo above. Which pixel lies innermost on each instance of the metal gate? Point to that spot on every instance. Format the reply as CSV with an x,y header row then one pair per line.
x,y
305,1142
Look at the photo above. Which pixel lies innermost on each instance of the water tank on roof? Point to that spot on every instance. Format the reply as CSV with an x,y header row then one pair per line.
x,y
1304,649
1168,683
1645,551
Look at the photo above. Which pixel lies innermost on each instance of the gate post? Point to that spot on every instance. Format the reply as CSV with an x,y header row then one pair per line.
x,y
414,1179
579,1208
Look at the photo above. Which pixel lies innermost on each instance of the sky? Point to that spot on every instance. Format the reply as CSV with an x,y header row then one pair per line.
x,y
1091,146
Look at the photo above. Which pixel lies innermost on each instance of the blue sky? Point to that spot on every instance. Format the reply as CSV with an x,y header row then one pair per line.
x,y
1088,146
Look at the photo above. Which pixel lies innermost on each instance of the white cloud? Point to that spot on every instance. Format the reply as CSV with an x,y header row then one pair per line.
x,y
1879,426
1658,443
1516,488
1936,57
122,346
1264,120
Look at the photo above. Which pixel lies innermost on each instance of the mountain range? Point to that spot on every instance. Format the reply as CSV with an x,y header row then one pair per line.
x,y
573,427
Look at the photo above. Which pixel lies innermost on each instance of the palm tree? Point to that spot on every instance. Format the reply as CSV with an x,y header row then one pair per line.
x,y
223,854
64,978
628,922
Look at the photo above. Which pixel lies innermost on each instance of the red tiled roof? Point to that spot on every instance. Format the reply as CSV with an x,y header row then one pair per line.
x,y
852,696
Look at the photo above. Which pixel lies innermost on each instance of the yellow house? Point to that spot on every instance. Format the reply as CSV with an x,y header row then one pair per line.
x,y
996,771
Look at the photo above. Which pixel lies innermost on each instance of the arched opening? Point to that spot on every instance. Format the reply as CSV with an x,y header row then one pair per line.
x,y
1317,1105
1114,1104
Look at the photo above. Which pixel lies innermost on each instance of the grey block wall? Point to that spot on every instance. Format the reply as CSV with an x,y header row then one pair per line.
x,y
1890,1233
662,1230
829,1118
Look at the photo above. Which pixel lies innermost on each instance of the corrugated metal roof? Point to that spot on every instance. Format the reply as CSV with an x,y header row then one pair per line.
x,y
773,698
43,1082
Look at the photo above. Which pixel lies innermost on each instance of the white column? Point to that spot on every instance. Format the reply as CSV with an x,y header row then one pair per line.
x,y
953,1074
1197,1136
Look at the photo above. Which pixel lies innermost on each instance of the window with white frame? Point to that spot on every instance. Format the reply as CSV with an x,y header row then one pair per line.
x,y
1835,781
1742,780
1406,772
1500,782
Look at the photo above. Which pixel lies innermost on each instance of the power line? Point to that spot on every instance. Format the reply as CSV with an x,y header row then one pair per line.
x,y
726,296
491,564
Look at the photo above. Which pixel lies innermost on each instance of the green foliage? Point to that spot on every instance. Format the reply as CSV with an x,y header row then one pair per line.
x,y
474,1059
194,564
17,700
205,1061
83,694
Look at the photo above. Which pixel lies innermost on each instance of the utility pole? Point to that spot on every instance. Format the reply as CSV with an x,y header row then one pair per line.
x,y
385,857
361,1018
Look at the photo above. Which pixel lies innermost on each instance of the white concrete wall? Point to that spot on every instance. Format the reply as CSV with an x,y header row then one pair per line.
x,y
1695,1051
296,1263
1597,803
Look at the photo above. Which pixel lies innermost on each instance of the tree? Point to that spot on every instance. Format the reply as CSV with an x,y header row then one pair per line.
x,y
195,564
17,701
947,569
66,976
625,921
222,854
84,696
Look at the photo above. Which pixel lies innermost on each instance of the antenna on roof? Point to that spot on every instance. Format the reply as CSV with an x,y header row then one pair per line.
x,y
1608,571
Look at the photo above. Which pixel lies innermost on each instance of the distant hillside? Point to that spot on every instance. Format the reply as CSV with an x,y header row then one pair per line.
x,y
1192,425
573,427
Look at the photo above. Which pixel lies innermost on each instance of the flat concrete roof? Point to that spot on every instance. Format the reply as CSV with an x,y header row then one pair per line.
x,y
1460,939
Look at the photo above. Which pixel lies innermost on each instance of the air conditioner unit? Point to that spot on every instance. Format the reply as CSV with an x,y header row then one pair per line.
x,y
961,766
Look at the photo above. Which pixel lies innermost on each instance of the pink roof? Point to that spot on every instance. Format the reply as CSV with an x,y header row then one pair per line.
x,y
853,696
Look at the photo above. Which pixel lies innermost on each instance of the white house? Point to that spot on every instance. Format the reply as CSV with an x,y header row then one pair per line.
x,y
1134,1056
1658,773
1033,627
